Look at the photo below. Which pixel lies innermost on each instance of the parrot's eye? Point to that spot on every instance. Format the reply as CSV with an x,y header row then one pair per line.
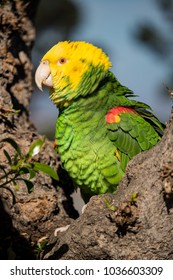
x,y
62,61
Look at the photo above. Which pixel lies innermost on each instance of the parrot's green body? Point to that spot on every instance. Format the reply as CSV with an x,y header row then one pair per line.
x,y
100,129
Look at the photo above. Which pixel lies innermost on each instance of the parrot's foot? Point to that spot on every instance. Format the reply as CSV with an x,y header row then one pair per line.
x,y
60,229
83,208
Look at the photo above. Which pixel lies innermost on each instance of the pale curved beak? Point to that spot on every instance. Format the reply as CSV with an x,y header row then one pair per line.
x,y
43,75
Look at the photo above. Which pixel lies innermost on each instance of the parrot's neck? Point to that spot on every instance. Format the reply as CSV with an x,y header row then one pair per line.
x,y
93,102
84,109
82,119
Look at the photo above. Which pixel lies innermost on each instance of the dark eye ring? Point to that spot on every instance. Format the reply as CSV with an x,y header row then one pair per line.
x,y
62,61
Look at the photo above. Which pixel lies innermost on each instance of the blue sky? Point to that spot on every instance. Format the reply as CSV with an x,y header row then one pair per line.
x,y
111,24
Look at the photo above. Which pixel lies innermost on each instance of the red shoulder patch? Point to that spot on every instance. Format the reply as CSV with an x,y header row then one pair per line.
x,y
113,116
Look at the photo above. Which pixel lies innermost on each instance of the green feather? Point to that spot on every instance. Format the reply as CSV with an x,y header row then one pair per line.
x,y
96,153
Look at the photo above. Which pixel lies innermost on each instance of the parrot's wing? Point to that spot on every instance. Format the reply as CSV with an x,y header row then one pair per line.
x,y
130,133
153,120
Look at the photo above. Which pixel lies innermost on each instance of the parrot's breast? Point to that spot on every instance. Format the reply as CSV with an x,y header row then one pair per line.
x,y
86,151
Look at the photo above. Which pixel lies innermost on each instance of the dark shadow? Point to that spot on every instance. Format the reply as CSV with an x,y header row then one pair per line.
x,y
66,184
59,253
168,198
12,244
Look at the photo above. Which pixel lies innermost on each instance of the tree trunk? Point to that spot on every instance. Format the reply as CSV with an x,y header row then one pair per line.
x,y
33,217
135,223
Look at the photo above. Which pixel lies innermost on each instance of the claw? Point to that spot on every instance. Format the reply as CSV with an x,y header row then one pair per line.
x,y
60,229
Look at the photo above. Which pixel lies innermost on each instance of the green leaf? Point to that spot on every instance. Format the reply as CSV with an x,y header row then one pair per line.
x,y
12,112
109,205
13,144
37,166
134,197
17,164
28,183
35,148
32,173
27,168
24,170
7,156
16,185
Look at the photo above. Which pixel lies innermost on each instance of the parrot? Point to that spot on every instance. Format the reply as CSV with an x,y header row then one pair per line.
x,y
100,126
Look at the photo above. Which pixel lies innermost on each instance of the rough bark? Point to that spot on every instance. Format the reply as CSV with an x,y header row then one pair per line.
x,y
36,215
136,222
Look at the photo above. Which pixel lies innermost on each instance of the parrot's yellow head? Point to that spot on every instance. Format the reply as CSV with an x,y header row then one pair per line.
x,y
71,69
